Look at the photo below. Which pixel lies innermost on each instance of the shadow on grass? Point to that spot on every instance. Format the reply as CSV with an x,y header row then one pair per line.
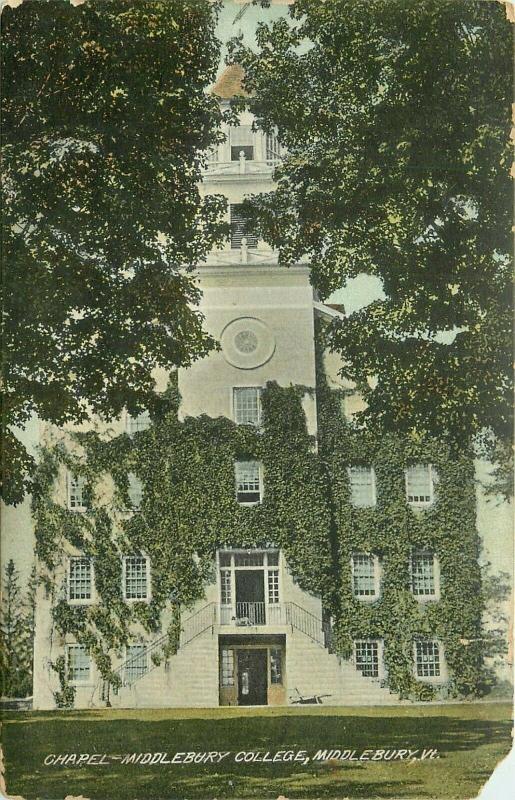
x,y
456,739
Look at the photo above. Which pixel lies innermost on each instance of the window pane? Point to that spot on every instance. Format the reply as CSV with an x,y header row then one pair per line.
x,y
76,486
367,658
136,584
419,484
255,559
273,586
428,659
273,149
227,667
136,662
422,573
276,665
273,558
363,574
362,486
139,423
78,663
80,579
248,484
247,404
225,587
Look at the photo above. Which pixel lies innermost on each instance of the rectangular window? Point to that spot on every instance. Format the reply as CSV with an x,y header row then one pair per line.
x,y
76,492
362,486
136,579
225,559
276,665
364,575
419,485
248,481
240,228
423,573
80,579
427,659
135,662
242,141
135,491
367,657
247,405
273,586
138,423
249,559
273,148
227,667
79,663
225,587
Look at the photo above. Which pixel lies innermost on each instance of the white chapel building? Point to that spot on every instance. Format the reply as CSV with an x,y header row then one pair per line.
x,y
255,638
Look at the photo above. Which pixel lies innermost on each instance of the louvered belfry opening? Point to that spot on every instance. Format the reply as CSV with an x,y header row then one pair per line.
x,y
240,228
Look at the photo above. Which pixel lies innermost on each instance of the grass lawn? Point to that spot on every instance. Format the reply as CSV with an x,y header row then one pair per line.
x,y
470,739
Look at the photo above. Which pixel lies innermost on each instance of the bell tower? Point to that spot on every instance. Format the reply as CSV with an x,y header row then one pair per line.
x,y
260,312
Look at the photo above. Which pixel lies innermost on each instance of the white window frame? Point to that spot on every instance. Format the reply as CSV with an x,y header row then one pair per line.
x,y
432,481
78,601
373,484
129,418
79,509
442,677
148,577
367,598
426,598
143,646
259,390
260,477
231,671
85,681
380,659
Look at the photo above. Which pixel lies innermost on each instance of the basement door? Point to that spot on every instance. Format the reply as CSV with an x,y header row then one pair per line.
x,y
252,677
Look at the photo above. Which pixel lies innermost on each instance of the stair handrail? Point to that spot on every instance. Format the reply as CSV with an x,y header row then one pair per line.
x,y
307,619
150,664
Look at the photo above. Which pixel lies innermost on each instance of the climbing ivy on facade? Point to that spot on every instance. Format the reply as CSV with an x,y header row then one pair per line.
x,y
188,511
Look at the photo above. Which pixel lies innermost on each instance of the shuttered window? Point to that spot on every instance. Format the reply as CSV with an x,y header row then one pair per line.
x,y
239,228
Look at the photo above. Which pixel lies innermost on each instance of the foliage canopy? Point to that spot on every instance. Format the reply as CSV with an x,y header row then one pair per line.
x,y
395,119
105,121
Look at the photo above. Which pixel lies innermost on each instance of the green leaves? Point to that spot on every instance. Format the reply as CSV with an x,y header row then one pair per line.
x,y
105,120
396,119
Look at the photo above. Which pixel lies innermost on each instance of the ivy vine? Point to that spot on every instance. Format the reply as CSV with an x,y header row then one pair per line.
x,y
189,510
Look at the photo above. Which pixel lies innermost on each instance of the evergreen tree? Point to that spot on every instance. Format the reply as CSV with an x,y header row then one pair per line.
x,y
16,629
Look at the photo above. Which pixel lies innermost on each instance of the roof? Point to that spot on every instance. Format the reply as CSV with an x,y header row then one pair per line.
x,y
229,83
329,310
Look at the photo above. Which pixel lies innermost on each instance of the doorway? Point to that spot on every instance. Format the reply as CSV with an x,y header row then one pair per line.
x,y
250,597
252,677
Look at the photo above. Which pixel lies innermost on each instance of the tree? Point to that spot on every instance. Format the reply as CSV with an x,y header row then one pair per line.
x,y
395,119
17,635
105,122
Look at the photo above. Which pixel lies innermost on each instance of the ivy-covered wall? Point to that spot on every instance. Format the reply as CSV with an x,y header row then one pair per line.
x,y
189,511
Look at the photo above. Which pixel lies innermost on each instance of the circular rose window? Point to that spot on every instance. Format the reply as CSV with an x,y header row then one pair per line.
x,y
247,342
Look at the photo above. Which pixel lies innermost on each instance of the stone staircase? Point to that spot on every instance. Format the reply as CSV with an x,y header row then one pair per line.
x,y
312,671
189,679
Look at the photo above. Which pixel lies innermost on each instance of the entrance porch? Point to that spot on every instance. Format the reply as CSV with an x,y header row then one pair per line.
x,y
251,670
